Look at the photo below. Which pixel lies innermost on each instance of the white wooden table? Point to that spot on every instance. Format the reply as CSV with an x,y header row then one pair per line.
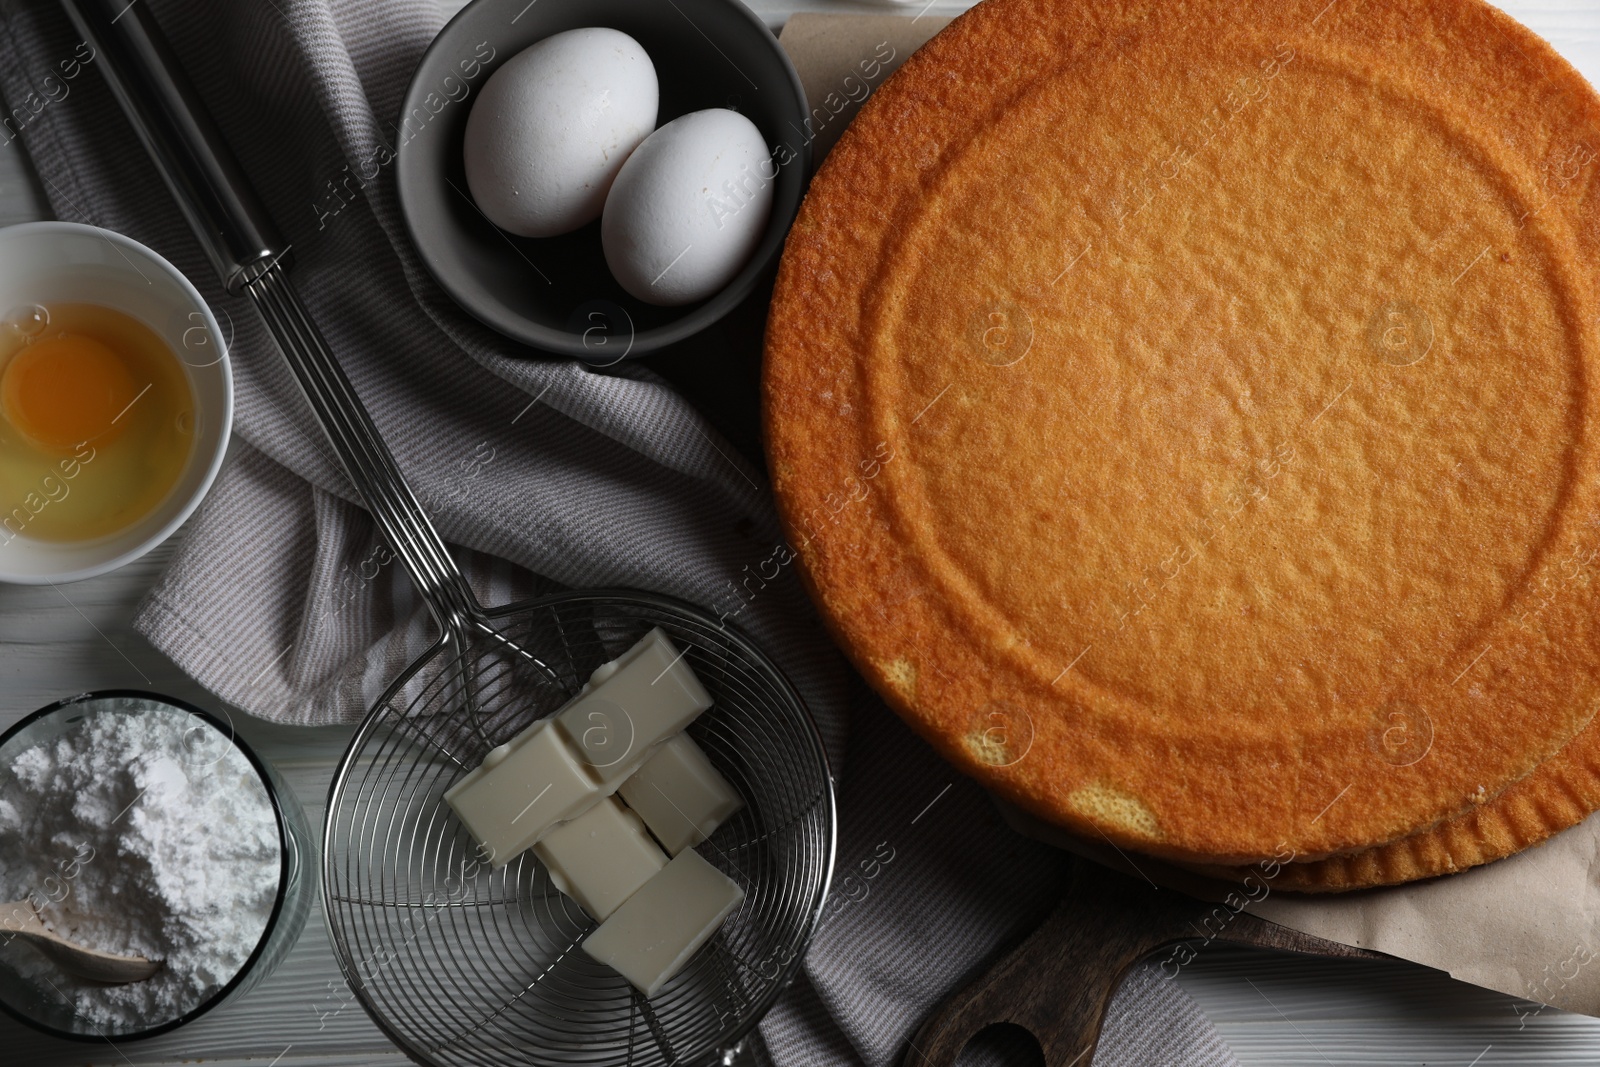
x,y
1273,1010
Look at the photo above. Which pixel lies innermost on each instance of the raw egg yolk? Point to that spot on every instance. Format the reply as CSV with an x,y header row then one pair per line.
x,y
62,391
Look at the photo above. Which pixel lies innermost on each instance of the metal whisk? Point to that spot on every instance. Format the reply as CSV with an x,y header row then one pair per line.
x,y
458,963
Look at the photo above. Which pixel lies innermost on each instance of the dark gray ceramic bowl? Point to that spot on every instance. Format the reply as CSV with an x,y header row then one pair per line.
x,y
556,293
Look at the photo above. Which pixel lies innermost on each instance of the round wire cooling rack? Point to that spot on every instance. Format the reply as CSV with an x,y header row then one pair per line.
x,y
462,964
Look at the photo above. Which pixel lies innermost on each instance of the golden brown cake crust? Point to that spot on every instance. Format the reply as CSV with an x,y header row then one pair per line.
x,y
1180,412
1560,793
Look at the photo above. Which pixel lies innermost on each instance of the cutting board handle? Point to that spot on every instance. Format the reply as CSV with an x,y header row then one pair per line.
x,y
1059,982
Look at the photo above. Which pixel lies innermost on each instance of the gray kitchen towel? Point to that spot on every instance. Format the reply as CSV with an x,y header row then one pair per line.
x,y
543,473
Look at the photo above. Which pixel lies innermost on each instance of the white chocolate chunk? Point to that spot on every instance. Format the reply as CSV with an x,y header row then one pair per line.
x,y
680,795
652,936
523,788
601,858
631,704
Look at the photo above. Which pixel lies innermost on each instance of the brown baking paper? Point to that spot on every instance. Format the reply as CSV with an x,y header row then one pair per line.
x,y
1524,926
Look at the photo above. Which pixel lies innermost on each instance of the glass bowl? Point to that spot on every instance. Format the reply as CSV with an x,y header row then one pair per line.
x,y
209,738
49,263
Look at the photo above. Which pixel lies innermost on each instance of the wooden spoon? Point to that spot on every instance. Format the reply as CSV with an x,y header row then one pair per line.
x,y
20,919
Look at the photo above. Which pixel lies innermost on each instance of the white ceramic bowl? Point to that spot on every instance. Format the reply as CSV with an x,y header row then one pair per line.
x,y
66,262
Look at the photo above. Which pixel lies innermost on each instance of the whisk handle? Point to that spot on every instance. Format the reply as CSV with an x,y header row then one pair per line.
x,y
222,208
190,152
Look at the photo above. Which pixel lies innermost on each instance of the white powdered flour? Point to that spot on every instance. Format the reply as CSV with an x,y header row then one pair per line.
x,y
147,834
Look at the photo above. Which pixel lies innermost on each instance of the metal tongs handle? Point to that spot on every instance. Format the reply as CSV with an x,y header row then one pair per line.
x,y
249,256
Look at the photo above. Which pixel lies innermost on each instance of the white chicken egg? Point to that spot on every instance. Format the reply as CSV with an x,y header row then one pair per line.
x,y
552,127
689,207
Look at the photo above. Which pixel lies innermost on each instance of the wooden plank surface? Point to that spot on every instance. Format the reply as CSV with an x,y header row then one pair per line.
x,y
1273,1010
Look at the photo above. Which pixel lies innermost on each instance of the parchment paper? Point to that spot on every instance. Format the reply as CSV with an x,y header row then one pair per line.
x,y
1527,926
